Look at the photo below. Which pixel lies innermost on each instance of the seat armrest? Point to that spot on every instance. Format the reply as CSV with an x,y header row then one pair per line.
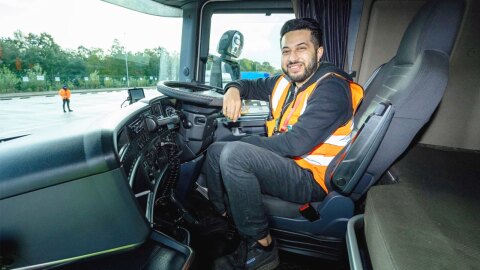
x,y
358,154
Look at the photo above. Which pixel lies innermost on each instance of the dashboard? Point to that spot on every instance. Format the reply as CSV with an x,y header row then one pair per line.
x,y
148,151
76,183
91,187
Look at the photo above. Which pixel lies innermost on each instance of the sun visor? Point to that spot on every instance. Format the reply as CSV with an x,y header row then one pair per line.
x,y
148,7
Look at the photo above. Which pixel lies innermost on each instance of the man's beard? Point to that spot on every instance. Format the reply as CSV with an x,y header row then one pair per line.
x,y
309,70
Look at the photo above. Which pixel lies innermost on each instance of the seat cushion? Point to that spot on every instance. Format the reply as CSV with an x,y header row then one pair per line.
x,y
430,219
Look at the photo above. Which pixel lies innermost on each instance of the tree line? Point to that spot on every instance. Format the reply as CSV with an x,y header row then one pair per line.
x,y
250,65
31,62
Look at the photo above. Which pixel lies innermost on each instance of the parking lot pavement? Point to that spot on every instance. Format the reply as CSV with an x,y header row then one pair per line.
x,y
24,115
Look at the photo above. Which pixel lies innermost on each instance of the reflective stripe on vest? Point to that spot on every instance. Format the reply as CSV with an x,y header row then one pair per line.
x,y
276,95
320,157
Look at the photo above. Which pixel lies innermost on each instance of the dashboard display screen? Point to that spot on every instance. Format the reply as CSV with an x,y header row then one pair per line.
x,y
136,94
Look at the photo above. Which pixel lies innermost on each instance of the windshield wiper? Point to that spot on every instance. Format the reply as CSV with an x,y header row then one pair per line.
x,y
12,138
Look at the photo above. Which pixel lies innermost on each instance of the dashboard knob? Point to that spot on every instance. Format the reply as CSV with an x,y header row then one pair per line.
x,y
151,124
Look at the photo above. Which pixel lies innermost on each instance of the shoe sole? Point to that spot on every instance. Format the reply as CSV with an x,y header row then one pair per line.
x,y
270,266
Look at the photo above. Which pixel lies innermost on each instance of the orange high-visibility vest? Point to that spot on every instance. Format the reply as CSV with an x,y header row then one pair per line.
x,y
64,93
321,155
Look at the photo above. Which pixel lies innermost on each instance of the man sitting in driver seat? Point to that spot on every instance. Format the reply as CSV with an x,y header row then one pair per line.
x,y
312,121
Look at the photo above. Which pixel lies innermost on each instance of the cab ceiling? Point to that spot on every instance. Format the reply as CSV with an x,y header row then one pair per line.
x,y
180,3
174,3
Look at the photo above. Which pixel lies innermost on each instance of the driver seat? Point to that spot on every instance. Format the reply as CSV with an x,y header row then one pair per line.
x,y
399,99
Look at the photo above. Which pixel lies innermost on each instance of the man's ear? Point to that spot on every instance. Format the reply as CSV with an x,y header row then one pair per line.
x,y
319,53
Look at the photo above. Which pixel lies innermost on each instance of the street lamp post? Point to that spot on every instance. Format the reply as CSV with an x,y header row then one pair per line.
x,y
126,67
126,57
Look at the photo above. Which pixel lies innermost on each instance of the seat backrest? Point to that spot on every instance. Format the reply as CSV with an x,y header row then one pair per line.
x,y
413,82
375,44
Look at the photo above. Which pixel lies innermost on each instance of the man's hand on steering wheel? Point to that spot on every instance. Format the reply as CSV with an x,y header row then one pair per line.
x,y
232,104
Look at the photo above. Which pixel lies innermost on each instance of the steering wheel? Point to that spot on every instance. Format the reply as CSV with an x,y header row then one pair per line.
x,y
196,93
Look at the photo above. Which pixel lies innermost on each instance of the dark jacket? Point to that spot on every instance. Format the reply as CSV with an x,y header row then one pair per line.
x,y
328,108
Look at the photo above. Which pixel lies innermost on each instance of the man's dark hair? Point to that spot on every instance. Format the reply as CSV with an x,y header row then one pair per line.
x,y
301,24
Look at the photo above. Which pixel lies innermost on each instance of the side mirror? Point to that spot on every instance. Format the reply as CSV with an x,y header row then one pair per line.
x,y
135,94
225,67
230,44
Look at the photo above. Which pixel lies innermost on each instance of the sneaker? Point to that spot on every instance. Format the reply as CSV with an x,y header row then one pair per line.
x,y
70,110
250,255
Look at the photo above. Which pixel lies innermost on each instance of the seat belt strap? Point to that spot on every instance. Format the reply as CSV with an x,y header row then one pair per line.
x,y
309,212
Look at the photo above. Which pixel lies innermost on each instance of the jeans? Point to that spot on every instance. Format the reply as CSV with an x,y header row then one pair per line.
x,y
67,101
237,175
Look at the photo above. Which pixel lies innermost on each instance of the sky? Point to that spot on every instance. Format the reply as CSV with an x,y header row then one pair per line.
x,y
92,23
95,24
261,34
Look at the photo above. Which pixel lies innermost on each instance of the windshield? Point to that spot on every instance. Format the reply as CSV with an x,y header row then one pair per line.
x,y
258,53
94,49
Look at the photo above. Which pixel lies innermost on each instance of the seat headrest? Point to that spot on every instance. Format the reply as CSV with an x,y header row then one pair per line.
x,y
433,28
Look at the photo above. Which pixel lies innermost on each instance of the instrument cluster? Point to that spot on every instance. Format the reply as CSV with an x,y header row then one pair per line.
x,y
144,145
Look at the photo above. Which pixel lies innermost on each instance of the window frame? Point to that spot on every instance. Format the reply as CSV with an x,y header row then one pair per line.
x,y
213,7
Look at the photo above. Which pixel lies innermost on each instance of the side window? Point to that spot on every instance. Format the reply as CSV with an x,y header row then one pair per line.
x,y
244,46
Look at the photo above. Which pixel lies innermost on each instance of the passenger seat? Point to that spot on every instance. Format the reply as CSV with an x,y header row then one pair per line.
x,y
429,219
